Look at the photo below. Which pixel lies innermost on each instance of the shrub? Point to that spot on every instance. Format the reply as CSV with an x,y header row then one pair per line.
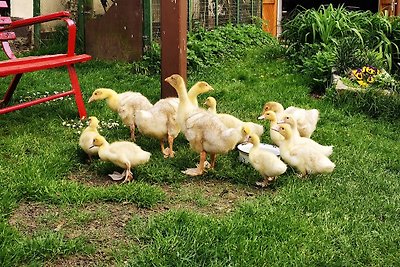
x,y
345,39
208,47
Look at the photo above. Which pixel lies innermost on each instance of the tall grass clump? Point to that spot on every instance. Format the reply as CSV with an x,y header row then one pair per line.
x,y
320,39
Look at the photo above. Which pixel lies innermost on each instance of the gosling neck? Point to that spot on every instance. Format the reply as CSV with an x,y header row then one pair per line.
x,y
212,109
183,96
112,99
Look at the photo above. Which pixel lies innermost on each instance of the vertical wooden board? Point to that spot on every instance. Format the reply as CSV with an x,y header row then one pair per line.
x,y
173,43
270,16
117,35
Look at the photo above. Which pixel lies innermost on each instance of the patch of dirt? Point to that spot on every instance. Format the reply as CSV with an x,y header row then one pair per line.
x,y
103,224
90,178
210,197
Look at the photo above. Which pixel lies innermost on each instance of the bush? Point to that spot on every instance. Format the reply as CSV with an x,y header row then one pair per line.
x,y
208,47
342,39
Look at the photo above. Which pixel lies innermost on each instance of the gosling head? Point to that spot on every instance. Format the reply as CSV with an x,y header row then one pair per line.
x,y
202,87
289,120
175,80
98,141
93,122
272,105
99,94
254,139
285,130
269,115
210,102
246,132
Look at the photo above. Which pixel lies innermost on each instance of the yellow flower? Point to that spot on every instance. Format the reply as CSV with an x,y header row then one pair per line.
x,y
371,70
358,74
362,83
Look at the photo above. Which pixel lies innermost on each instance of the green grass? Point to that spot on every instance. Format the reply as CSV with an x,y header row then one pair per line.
x,y
347,218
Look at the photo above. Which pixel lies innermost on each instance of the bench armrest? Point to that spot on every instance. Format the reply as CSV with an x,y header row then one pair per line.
x,y
36,20
62,15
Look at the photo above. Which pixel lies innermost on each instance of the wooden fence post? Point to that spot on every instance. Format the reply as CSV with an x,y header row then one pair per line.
x,y
147,22
173,42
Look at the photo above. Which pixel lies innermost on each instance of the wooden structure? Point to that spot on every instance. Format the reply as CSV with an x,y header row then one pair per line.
x,y
389,7
173,43
270,15
18,66
116,35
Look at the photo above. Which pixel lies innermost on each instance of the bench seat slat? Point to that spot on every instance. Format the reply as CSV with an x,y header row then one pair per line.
x,y
29,64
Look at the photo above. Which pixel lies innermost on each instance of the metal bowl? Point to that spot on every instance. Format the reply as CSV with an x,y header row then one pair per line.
x,y
245,148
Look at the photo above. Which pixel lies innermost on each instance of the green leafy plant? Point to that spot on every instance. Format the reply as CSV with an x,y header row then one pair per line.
x,y
207,48
356,38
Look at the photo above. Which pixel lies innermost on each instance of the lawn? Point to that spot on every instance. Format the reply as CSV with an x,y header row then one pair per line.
x,y
59,210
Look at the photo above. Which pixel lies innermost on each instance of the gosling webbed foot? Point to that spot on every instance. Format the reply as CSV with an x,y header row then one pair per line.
x,y
193,172
116,176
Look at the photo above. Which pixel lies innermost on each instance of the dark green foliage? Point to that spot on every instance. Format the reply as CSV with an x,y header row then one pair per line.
x,y
353,38
374,102
151,61
207,48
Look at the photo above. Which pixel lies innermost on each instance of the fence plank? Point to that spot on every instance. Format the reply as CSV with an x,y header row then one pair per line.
x,y
147,22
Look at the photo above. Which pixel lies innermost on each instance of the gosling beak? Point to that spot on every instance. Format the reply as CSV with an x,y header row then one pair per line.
x,y
280,122
246,139
92,146
275,129
90,100
262,117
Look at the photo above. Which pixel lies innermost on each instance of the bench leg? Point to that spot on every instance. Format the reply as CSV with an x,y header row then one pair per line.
x,y
77,91
11,89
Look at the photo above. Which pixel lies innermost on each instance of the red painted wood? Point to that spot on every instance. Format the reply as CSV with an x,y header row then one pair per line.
x,y
36,20
11,88
7,36
77,91
10,67
18,66
35,102
5,20
7,49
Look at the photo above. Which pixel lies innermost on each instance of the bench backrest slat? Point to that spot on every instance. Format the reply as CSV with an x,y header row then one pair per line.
x,y
7,36
5,20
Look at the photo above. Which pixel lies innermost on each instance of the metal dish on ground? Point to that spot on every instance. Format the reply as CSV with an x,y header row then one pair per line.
x,y
245,148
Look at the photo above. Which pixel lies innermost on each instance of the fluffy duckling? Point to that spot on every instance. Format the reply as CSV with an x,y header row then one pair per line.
x,y
116,102
304,158
160,123
266,163
123,154
197,89
306,119
276,137
204,131
231,121
87,136
297,139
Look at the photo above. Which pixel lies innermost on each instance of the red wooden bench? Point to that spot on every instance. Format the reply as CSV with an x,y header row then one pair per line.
x,y
18,66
